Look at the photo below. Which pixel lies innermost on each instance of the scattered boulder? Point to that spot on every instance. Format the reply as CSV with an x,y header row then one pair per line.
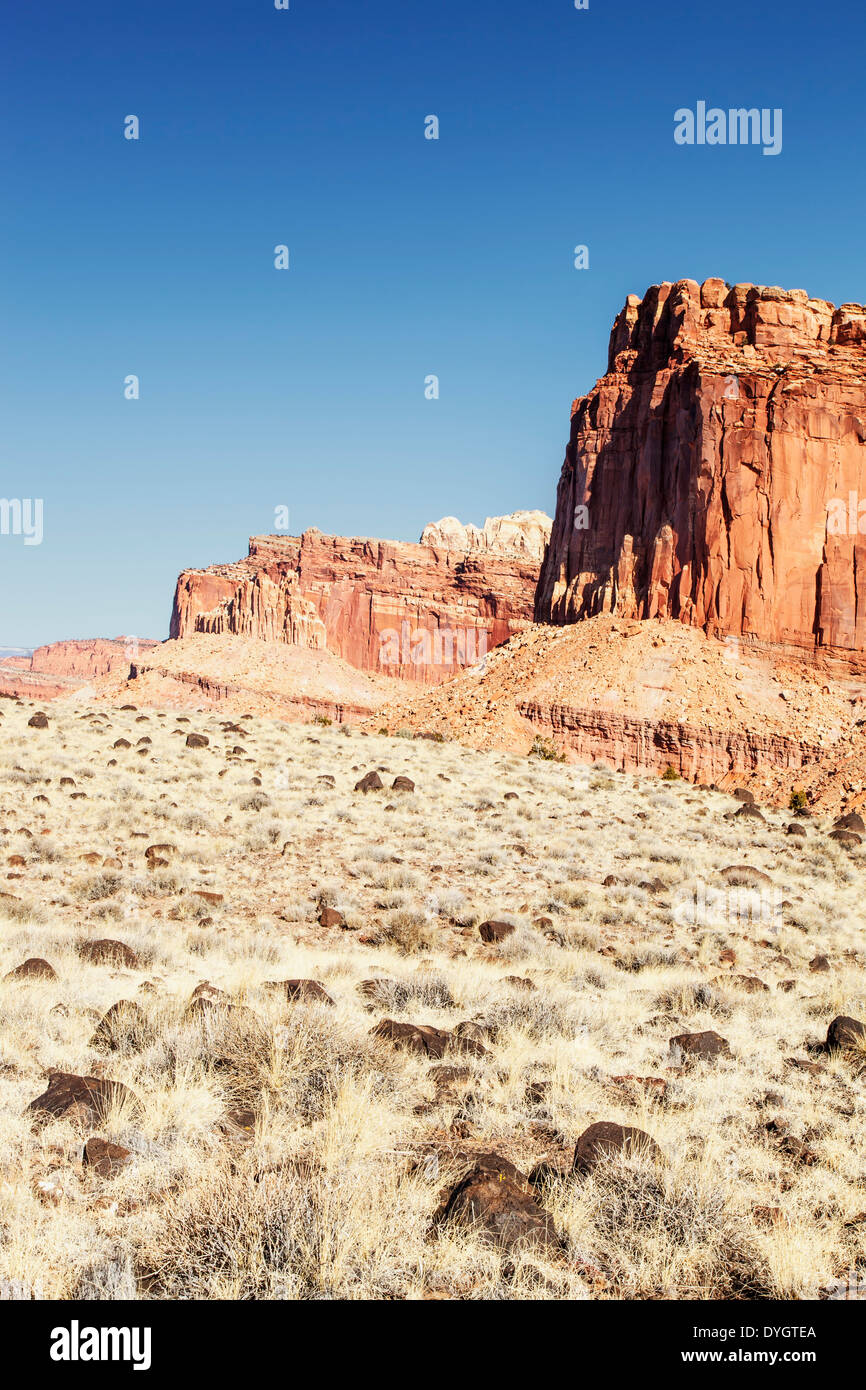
x,y
212,899
122,743
118,1026
304,991
819,965
370,782
851,821
750,984
104,1158
163,852
745,876
845,1033
494,932
108,952
197,740
239,1123
702,1046
87,1099
330,917
38,721
604,1139
33,969
402,784
846,838
743,794
413,1037
496,1198
794,828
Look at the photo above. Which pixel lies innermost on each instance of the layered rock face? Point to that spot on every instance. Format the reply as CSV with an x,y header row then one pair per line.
x,y
62,667
418,612
717,473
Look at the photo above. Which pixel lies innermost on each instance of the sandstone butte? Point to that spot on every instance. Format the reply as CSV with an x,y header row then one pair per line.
x,y
714,475
419,613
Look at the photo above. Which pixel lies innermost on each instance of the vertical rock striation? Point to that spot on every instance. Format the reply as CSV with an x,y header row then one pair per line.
x,y
715,474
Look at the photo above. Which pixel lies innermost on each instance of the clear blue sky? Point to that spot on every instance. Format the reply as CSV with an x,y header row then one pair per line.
x,y
408,256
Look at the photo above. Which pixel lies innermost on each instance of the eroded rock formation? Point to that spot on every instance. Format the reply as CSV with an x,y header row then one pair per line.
x,y
524,533
418,612
717,473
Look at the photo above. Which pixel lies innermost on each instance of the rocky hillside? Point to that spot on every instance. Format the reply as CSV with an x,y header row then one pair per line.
x,y
659,697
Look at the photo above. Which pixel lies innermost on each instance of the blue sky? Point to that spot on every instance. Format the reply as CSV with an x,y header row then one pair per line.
x,y
409,257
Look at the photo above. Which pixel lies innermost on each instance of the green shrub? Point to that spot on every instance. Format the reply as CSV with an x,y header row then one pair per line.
x,y
542,749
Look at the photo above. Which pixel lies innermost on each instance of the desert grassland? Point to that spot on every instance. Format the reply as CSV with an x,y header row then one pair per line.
x,y
281,1151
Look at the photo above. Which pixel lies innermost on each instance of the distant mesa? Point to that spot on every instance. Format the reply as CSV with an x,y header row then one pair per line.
x,y
420,613
61,668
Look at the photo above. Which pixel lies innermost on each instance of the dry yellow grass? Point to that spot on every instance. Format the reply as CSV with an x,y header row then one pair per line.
x,y
328,1185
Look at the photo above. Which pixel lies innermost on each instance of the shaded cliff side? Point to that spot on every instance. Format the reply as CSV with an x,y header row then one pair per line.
x,y
715,474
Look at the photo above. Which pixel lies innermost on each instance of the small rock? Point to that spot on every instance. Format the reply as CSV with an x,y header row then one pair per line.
x,y
86,1098
413,1037
108,952
370,782
330,917
496,1198
745,876
846,838
846,1033
605,1138
105,1158
304,991
494,931
118,1026
33,969
702,1046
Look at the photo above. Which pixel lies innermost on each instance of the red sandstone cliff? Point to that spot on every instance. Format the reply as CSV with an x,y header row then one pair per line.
x,y
418,612
62,667
720,465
